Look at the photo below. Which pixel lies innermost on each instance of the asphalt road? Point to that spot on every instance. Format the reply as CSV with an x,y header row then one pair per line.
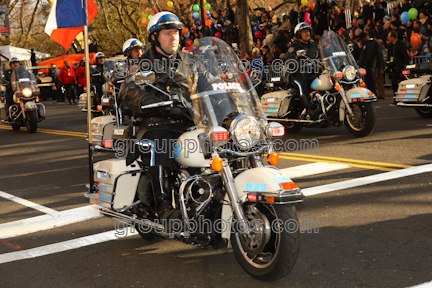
x,y
375,221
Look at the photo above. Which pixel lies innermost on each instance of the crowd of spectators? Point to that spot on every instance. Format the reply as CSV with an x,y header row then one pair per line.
x,y
377,21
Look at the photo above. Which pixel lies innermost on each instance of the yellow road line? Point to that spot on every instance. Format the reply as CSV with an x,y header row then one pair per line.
x,y
55,132
348,160
334,162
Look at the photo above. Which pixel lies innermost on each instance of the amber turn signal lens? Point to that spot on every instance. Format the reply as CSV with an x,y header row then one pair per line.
x,y
338,87
362,84
288,185
273,158
217,164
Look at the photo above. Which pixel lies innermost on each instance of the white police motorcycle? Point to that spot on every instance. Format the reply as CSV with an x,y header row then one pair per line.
x,y
225,181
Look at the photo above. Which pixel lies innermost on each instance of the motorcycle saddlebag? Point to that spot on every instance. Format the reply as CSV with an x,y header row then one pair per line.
x,y
276,104
413,90
116,183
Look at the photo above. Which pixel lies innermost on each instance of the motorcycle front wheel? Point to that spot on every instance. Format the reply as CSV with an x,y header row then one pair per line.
x,y
424,112
270,251
31,121
363,122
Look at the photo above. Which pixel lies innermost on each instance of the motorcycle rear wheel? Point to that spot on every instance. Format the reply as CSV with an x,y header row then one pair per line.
x,y
424,112
268,256
364,120
31,121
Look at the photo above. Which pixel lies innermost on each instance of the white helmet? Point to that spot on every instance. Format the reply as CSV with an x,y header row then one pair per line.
x,y
99,55
163,20
301,26
130,44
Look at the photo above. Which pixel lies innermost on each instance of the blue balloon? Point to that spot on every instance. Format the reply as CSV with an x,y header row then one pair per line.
x,y
198,22
196,15
187,36
405,17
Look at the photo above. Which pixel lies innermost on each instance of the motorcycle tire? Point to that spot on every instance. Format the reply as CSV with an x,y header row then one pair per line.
x,y
424,112
16,127
364,120
292,127
31,121
274,258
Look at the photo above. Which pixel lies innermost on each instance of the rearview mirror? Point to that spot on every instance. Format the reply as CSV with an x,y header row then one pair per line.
x,y
142,78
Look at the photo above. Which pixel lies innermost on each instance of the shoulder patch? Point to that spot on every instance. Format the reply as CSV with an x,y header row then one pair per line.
x,y
291,50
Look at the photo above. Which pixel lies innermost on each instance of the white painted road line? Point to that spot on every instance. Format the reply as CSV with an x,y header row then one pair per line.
x,y
44,222
60,247
368,180
27,203
312,169
424,285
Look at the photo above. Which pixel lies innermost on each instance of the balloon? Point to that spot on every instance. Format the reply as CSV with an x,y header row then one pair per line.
x,y
144,22
189,42
412,13
199,22
312,6
185,31
405,17
196,42
205,2
304,2
150,16
218,35
415,38
196,7
187,36
208,6
208,16
196,15
154,11
258,34
194,47
208,22
170,4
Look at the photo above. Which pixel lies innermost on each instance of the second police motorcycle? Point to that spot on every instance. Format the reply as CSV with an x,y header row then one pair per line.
x,y
339,93
226,181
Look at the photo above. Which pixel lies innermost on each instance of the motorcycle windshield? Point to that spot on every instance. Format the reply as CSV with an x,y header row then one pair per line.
x,y
335,53
227,90
21,78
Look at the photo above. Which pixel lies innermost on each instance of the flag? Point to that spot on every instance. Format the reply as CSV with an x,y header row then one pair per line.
x,y
68,18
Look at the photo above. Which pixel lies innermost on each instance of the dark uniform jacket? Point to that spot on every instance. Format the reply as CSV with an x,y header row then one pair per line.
x,y
311,51
368,55
397,56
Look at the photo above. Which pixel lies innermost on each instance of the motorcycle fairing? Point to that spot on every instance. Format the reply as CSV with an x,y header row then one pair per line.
x,y
413,90
358,94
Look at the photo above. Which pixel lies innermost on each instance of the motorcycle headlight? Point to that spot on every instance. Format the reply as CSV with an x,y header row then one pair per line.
x,y
245,130
349,73
26,92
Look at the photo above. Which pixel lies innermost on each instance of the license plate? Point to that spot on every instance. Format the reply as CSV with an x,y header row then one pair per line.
x,y
275,79
270,99
105,100
412,66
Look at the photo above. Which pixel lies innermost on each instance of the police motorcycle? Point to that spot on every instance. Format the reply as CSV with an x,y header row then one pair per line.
x,y
339,94
26,110
415,92
224,181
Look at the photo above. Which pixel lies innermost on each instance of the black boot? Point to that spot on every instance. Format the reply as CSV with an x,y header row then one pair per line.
x,y
162,190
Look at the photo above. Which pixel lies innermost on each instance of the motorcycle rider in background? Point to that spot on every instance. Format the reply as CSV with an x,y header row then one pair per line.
x,y
163,30
100,74
13,63
302,32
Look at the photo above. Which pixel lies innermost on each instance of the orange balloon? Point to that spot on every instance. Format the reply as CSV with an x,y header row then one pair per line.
x,y
415,38
208,22
185,31
311,6
144,22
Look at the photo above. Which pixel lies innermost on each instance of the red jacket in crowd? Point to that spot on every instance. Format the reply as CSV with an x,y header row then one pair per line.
x,y
80,72
67,76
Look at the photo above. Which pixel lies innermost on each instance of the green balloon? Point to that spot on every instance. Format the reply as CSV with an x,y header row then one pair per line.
x,y
150,16
196,7
208,6
413,13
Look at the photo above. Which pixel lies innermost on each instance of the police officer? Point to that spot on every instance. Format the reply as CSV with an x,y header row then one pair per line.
x,y
163,31
133,48
13,63
99,74
305,76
